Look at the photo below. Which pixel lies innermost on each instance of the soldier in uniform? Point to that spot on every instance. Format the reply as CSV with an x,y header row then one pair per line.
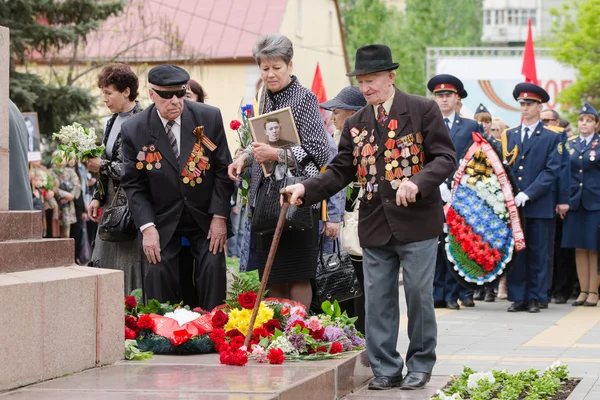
x,y
175,158
398,148
534,152
448,90
583,219
484,117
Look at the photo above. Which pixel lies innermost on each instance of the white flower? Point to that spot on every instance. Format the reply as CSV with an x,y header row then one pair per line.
x,y
474,379
284,344
554,365
258,350
443,396
464,179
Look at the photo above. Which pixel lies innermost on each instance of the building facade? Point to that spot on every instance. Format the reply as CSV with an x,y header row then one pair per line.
x,y
505,21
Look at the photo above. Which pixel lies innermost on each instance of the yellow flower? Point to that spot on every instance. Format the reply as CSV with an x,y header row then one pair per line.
x,y
240,319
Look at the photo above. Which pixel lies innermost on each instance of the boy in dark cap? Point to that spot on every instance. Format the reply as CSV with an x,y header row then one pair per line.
x,y
175,176
534,151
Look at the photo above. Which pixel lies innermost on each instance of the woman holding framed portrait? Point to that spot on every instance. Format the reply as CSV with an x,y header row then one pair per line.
x,y
296,259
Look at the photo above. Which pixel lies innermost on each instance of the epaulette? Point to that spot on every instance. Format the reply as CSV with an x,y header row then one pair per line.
x,y
574,138
463,117
509,155
556,129
511,128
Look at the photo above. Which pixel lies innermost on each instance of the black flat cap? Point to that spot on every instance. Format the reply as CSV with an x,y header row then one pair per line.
x,y
528,92
349,98
445,83
168,75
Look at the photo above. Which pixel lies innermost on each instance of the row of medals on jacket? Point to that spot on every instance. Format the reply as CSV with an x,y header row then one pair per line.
x,y
403,157
592,152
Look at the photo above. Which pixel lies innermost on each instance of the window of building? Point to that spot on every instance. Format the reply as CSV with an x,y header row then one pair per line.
x,y
487,17
511,17
533,16
524,17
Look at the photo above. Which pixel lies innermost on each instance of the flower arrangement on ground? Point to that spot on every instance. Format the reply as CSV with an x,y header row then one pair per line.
x,y
77,142
532,384
482,220
282,330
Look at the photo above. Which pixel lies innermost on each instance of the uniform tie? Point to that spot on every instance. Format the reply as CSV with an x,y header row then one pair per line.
x,y
172,139
381,115
526,137
447,121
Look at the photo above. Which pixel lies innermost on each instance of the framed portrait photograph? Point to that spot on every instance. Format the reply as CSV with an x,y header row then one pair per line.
x,y
277,129
33,136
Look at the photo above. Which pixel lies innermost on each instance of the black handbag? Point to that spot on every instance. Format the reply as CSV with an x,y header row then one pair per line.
x,y
335,278
268,207
116,223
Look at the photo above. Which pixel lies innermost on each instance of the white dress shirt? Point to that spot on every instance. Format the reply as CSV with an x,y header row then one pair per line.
x,y
451,118
587,140
531,129
176,128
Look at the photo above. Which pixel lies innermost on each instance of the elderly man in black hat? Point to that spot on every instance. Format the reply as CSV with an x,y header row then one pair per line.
x,y
175,176
399,150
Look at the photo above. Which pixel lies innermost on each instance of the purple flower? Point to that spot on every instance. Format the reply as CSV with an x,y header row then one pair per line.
x,y
290,322
297,340
346,343
357,341
332,333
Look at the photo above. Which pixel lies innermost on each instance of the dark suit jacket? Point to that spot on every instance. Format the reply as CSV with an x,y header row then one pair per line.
x,y
159,195
585,174
380,217
461,134
536,168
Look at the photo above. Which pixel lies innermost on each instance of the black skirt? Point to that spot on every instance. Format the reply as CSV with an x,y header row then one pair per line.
x,y
296,257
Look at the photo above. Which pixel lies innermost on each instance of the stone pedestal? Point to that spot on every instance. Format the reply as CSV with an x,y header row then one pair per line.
x,y
56,318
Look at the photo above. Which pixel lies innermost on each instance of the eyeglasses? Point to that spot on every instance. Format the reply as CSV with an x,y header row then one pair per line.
x,y
547,120
168,94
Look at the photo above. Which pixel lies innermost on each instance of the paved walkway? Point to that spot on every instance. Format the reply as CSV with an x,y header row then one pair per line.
x,y
487,337
483,338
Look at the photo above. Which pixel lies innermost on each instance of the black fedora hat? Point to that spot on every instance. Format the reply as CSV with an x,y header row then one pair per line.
x,y
373,58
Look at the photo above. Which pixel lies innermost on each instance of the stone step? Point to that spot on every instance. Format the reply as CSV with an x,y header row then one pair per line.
x,y
20,225
24,255
203,377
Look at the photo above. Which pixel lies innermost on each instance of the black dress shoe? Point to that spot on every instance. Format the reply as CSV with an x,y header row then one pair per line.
x,y
468,302
478,295
452,305
560,300
490,297
589,303
533,306
518,306
415,380
543,306
439,304
385,382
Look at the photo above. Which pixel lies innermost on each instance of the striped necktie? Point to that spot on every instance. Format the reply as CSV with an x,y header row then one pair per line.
x,y
172,139
381,115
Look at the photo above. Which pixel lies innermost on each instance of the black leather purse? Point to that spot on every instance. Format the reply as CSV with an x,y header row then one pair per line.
x,y
268,207
335,278
116,223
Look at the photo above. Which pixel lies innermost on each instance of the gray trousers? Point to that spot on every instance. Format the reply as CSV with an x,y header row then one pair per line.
x,y
381,266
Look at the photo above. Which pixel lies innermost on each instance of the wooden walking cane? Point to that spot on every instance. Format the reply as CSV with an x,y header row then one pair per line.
x,y
269,265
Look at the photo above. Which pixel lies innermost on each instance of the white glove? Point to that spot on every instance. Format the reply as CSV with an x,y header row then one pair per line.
x,y
445,192
521,199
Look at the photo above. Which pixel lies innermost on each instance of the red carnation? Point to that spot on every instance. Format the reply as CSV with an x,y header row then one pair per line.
x,y
260,332
318,334
247,299
336,348
130,302
145,322
237,342
322,349
271,325
299,322
225,357
129,334
276,356
240,358
130,322
218,338
219,319
235,124
233,333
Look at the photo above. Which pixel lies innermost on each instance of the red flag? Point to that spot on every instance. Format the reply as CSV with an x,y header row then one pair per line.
x,y
528,69
318,88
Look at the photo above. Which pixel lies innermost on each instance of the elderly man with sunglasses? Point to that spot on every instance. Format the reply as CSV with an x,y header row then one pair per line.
x,y
175,176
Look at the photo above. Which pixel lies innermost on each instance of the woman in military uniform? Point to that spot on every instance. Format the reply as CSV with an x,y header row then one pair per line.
x,y
582,221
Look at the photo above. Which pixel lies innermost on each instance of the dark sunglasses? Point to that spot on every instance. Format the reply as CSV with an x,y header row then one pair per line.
x,y
547,120
168,94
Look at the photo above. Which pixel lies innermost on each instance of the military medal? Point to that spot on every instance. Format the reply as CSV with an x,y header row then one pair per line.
x,y
149,167
139,165
141,156
415,160
593,155
157,158
354,132
404,162
419,137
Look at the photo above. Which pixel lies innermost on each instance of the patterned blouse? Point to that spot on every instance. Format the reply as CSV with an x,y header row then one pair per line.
x,y
313,153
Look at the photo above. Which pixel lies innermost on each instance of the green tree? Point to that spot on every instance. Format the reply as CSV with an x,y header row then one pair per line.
x,y
576,42
45,27
425,23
